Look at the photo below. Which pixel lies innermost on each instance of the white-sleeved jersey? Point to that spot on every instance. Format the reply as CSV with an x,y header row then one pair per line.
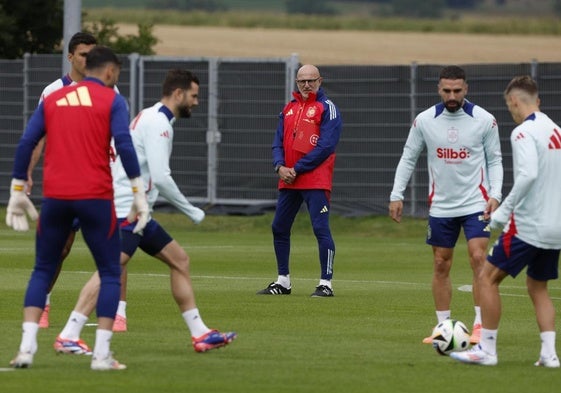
x,y
534,202
463,156
152,136
59,83
55,85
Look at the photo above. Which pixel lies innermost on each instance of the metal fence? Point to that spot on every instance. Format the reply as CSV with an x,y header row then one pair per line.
x,y
222,154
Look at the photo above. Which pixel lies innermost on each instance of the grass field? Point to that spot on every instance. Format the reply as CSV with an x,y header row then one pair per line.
x,y
365,339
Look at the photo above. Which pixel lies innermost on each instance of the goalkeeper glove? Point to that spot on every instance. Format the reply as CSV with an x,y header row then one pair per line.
x,y
139,208
18,205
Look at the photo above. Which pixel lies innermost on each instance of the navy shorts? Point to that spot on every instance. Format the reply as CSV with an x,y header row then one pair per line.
x,y
512,255
444,232
152,239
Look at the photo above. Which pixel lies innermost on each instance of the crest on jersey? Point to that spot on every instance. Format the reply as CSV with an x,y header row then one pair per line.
x,y
453,135
311,112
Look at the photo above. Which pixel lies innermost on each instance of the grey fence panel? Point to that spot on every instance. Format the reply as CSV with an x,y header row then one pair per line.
x,y
189,158
11,104
374,104
222,154
251,96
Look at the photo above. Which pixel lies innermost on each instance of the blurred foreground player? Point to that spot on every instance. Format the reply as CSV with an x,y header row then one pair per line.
x,y
79,121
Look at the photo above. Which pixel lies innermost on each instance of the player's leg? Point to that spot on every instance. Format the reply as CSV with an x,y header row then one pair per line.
x,y
68,340
101,234
318,203
158,243
540,270
442,236
120,324
477,235
50,237
288,205
485,353
44,320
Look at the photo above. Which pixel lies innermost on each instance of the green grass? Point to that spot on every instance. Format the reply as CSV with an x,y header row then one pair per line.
x,y
365,339
476,23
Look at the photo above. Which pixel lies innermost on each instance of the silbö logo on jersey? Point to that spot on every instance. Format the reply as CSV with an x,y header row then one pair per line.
x,y
452,155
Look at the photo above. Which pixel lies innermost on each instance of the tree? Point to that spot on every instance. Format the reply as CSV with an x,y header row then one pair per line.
x,y
108,34
33,26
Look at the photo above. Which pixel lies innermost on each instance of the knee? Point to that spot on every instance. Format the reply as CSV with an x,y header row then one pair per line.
x,y
442,267
279,229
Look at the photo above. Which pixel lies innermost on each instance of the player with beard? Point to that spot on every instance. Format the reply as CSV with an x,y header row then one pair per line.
x,y
152,135
465,180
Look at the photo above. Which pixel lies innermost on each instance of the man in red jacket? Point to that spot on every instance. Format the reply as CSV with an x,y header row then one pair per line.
x,y
304,156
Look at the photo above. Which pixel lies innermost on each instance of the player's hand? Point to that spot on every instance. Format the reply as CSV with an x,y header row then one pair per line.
x,y
492,205
19,206
499,218
396,209
139,208
196,214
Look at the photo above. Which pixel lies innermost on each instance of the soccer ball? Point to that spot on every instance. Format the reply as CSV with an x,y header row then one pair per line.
x,y
449,336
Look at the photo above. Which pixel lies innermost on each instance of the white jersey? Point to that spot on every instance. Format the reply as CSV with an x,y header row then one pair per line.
x,y
463,156
152,136
59,83
533,205
54,86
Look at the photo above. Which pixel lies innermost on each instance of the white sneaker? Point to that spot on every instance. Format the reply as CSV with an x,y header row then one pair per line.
x,y
22,360
475,355
107,364
550,362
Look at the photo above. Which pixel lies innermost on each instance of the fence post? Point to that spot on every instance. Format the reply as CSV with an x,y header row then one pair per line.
x,y
26,58
412,114
291,69
213,136
133,83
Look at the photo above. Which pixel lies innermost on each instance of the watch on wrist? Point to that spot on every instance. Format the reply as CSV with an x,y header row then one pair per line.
x,y
277,168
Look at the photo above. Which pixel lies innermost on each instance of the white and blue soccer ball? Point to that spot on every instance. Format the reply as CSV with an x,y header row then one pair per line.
x,y
450,336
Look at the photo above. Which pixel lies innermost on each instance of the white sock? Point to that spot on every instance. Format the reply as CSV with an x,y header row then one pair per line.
x,y
102,343
477,319
195,323
443,315
488,341
48,301
29,337
327,283
122,309
284,281
73,326
548,344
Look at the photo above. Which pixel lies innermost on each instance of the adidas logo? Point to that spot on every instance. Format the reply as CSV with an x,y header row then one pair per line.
x,y
555,140
324,209
78,97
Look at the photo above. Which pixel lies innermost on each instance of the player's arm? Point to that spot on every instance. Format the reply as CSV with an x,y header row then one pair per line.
x,y
493,156
19,204
35,157
411,151
278,143
157,159
125,150
525,157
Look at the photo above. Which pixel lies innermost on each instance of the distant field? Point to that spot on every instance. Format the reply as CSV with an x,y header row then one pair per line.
x,y
324,47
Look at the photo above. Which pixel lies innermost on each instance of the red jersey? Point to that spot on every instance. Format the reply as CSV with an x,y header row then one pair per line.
x,y
306,138
78,121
